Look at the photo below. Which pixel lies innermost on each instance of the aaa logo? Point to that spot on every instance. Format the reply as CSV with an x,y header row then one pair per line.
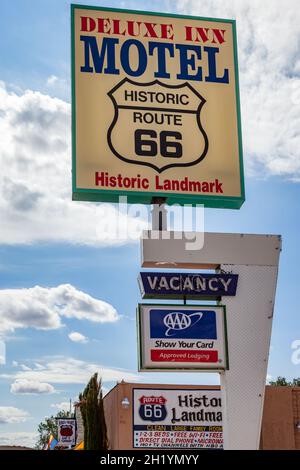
x,y
157,125
176,321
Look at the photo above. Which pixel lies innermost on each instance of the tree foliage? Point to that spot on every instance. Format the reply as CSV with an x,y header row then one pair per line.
x,y
282,382
92,411
48,427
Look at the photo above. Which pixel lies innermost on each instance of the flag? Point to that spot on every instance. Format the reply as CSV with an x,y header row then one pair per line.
x,y
79,446
52,442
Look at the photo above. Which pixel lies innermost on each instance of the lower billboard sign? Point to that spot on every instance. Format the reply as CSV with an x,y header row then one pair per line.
x,y
174,337
177,418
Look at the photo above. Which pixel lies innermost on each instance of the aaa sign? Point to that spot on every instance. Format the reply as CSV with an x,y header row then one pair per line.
x,y
175,337
155,108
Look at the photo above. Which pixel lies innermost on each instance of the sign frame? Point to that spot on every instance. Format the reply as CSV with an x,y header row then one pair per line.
x,y
142,197
181,389
141,365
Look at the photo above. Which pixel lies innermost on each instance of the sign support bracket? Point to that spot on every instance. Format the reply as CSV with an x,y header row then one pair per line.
x,y
159,214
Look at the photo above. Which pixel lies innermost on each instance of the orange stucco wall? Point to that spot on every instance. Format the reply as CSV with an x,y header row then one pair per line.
x,y
280,417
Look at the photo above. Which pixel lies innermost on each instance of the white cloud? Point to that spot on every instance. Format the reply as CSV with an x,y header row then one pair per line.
x,y
38,366
2,352
30,387
42,308
57,86
24,367
52,80
77,337
62,406
25,439
105,390
35,178
10,414
67,370
269,63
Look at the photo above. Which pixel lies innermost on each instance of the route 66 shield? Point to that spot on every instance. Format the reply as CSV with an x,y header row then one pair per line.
x,y
163,124
152,408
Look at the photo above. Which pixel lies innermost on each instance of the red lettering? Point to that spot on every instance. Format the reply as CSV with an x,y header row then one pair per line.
x,y
219,188
104,25
204,35
116,28
218,36
201,34
167,31
150,30
145,183
188,33
130,28
87,24
131,31
157,183
99,178
120,179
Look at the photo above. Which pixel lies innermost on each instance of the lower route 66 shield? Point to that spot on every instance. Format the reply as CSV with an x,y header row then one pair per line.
x,y
163,124
152,408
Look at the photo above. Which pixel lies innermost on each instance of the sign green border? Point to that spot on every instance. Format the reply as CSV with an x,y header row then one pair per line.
x,y
142,368
106,195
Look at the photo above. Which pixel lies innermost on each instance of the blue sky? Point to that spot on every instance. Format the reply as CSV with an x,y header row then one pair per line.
x,y
41,244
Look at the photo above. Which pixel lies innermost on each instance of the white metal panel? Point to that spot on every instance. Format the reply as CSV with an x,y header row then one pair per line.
x,y
171,250
249,323
249,317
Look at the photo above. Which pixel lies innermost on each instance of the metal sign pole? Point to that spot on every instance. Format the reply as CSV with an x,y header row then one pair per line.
x,y
159,214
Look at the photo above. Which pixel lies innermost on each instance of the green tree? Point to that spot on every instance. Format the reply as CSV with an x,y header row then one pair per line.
x,y
282,382
92,411
48,427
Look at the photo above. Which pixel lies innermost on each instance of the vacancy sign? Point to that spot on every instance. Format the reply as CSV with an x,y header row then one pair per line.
x,y
177,418
155,108
191,285
178,337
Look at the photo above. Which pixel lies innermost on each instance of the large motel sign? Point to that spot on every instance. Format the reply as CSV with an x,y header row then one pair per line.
x,y
155,108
